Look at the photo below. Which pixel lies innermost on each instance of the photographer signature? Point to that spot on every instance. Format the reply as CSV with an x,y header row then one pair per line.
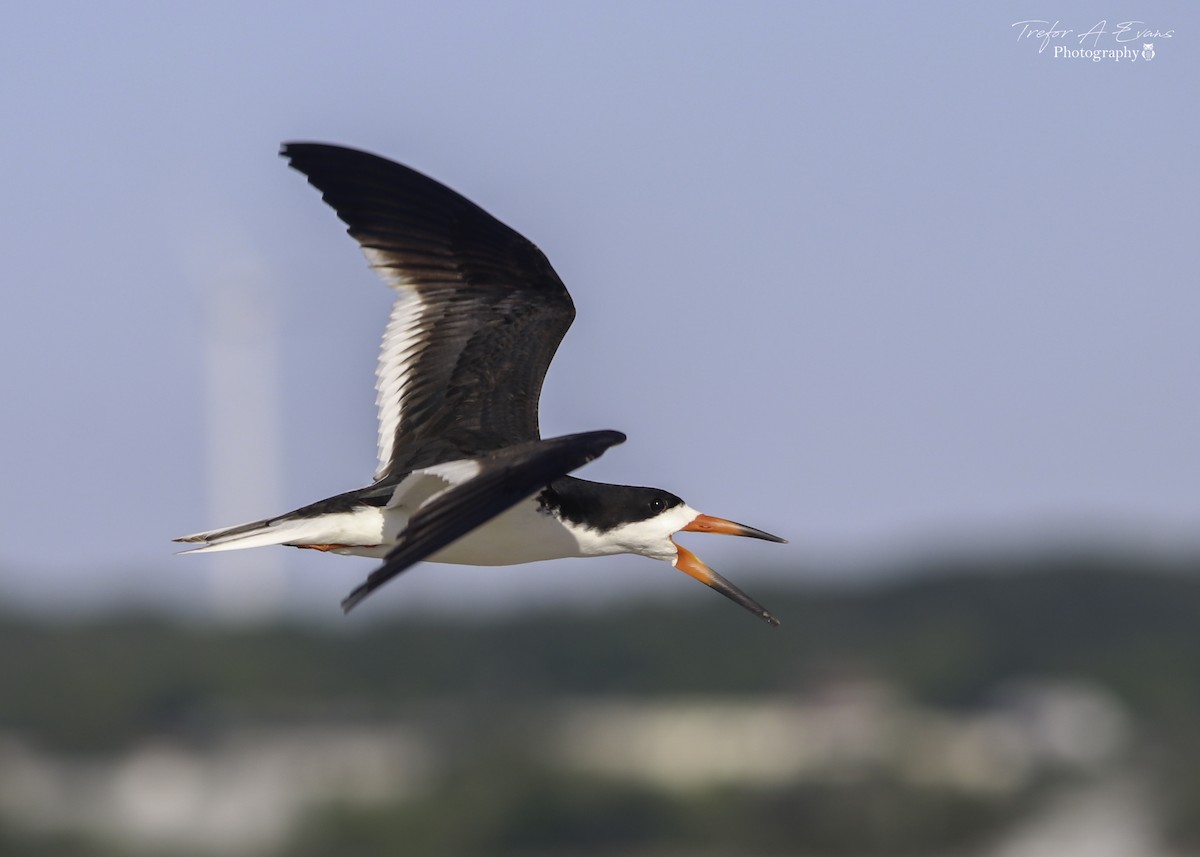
x,y
1127,31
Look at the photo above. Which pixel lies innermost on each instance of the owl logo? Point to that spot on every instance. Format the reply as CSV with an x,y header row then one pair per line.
x,y
1147,50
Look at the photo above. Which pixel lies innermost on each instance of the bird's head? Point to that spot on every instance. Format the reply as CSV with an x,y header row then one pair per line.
x,y
645,521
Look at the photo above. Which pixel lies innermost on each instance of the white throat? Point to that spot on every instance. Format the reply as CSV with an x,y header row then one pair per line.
x,y
651,537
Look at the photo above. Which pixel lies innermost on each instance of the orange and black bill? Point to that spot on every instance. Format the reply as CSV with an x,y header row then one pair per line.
x,y
692,565
709,524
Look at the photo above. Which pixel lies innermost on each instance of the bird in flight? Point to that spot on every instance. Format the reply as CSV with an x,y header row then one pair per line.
x,y
464,474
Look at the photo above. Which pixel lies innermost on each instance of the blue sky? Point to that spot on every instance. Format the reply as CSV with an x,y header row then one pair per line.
x,y
878,278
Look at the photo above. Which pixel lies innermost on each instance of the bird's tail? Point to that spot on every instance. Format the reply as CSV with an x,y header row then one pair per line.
x,y
270,531
350,519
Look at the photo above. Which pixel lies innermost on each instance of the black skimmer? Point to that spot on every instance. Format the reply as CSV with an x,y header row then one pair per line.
x,y
464,475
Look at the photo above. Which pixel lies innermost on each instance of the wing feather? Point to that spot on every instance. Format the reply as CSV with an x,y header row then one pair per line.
x,y
478,316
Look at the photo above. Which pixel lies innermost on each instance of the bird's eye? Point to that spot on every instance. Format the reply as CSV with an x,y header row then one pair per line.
x,y
657,505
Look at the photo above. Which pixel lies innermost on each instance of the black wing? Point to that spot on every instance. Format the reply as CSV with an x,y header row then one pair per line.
x,y
507,477
479,314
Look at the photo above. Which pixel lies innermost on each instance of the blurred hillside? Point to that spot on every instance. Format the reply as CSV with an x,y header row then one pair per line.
x,y
973,709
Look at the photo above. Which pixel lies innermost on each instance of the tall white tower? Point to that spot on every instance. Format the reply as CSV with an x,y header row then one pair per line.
x,y
243,428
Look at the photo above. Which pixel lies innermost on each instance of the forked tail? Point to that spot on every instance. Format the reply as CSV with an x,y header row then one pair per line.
x,y
257,534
